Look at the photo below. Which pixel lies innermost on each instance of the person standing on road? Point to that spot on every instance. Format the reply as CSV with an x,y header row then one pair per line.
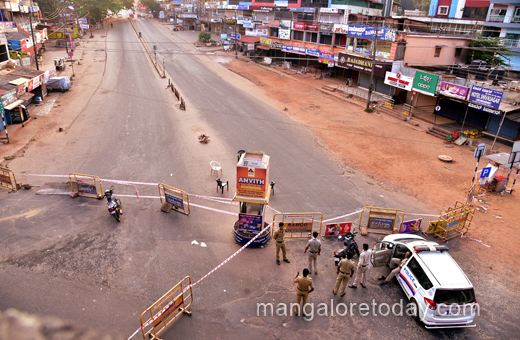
x,y
364,262
314,247
303,289
395,262
345,272
279,237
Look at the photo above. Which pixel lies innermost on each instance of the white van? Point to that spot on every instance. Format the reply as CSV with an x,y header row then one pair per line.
x,y
442,294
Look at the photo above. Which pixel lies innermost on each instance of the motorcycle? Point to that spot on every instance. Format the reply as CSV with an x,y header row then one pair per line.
x,y
350,247
114,204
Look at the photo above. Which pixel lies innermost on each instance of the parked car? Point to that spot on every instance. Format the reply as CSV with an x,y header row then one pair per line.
x,y
431,279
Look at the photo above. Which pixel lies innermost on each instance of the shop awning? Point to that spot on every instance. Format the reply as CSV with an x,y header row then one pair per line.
x,y
249,39
13,105
26,96
30,50
263,47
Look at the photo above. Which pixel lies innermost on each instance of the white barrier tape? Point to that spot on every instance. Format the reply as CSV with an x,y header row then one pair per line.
x,y
202,278
121,195
335,218
273,209
213,209
101,179
423,215
478,241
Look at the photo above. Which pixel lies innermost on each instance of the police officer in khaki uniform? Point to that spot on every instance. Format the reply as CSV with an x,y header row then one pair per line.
x,y
314,247
303,289
345,272
279,236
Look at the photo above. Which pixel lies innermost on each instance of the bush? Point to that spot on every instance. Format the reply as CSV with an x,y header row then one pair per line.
x,y
204,36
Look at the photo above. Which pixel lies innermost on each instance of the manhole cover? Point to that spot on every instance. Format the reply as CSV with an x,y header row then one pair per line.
x,y
445,158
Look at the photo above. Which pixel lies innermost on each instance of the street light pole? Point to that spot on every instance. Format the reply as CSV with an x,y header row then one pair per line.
x,y
236,38
34,40
372,73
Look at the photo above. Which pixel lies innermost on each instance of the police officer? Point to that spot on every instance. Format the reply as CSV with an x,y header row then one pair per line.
x,y
303,289
279,236
314,247
345,272
364,262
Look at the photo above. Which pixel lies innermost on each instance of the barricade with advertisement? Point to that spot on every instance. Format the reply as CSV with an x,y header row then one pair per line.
x,y
253,192
337,229
453,222
299,225
86,185
164,311
411,226
7,179
173,198
381,220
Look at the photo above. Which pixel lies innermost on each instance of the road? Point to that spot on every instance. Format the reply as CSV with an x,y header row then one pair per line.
x,y
69,258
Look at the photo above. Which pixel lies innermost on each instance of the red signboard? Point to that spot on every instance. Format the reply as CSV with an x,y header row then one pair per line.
x,y
298,26
336,229
312,27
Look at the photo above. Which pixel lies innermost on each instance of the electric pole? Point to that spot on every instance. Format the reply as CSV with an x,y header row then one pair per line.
x,y
372,72
236,38
34,40
89,23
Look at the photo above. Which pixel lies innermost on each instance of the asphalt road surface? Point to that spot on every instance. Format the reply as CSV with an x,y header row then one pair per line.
x,y
69,258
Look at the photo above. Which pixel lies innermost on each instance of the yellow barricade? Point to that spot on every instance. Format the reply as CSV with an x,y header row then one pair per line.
x,y
299,225
453,222
86,185
381,220
176,198
164,311
7,179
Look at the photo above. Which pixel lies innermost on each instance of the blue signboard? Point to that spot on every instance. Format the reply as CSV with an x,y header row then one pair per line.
x,y
242,7
326,56
238,36
293,49
86,188
486,97
381,223
314,53
484,108
485,172
250,223
175,201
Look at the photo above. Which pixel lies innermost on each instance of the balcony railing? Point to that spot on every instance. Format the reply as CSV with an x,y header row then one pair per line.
x,y
496,18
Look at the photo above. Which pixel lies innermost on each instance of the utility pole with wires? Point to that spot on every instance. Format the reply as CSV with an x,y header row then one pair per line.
x,y
89,23
34,40
236,37
371,86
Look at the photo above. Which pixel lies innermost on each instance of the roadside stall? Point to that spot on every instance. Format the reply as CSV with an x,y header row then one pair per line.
x,y
253,191
495,179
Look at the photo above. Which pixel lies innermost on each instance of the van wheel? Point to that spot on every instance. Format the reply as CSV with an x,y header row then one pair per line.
x,y
415,316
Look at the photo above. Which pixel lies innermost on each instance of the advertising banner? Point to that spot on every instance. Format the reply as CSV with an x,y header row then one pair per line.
x,y
338,28
329,10
298,26
250,47
251,182
326,27
314,53
312,27
363,65
285,23
284,33
265,41
250,223
300,227
484,108
455,91
425,83
336,229
486,97
398,80
293,49
274,23
411,226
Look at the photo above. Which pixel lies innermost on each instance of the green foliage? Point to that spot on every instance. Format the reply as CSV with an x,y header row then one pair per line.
x,y
152,5
128,4
17,54
489,50
98,8
204,36
50,7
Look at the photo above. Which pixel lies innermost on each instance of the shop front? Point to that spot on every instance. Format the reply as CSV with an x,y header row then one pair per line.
x,y
362,69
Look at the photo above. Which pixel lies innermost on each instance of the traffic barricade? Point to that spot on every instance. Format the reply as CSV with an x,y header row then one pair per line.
x,y
7,179
173,198
86,185
299,225
381,220
453,222
164,311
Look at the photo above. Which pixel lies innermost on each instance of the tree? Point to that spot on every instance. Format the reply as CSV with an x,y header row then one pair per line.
x,y
128,4
153,6
204,36
98,8
489,50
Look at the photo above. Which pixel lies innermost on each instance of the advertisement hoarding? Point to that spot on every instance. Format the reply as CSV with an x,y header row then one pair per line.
x,y
486,97
425,83
455,91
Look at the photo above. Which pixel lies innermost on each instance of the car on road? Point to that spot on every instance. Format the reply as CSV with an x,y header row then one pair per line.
x,y
441,294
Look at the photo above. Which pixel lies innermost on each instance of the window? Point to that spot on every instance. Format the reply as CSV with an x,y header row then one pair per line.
x,y
311,37
437,52
326,38
458,51
419,273
516,15
340,40
459,297
298,35
273,32
443,10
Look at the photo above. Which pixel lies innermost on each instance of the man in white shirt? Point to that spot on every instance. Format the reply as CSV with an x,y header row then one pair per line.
x,y
364,262
314,247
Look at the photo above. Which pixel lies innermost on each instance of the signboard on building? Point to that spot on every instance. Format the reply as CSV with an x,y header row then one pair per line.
x,y
484,109
293,49
314,53
455,91
298,26
485,97
398,80
338,28
265,41
363,65
313,27
425,83
326,27
325,57
284,33
285,23
329,10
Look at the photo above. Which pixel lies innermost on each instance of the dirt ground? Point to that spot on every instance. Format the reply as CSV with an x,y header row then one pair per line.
x,y
397,155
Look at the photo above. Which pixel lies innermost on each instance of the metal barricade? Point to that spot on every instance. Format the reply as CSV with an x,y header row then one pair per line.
x,y
86,185
299,225
7,179
165,310
176,199
453,222
381,220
